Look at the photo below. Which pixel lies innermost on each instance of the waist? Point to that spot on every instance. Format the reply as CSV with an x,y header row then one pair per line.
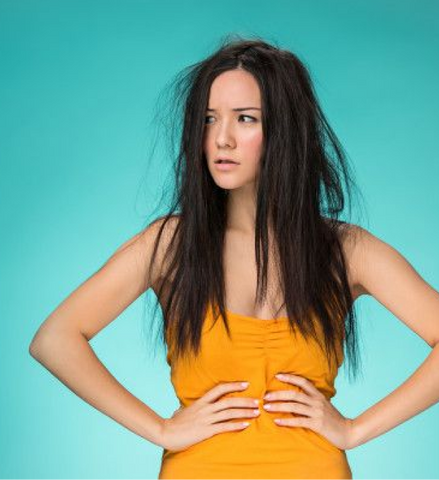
x,y
287,452
262,441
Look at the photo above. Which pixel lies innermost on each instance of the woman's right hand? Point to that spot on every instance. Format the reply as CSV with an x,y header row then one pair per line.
x,y
206,417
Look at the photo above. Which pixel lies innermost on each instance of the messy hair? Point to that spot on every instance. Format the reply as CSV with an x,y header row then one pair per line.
x,y
303,186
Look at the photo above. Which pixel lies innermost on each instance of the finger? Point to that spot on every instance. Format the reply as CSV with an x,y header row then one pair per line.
x,y
234,413
289,395
234,402
221,389
303,422
228,426
293,407
301,382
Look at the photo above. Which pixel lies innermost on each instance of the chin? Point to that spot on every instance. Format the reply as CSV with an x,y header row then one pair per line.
x,y
226,185
235,186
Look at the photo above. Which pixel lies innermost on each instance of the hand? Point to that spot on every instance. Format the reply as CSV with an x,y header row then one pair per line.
x,y
201,420
317,412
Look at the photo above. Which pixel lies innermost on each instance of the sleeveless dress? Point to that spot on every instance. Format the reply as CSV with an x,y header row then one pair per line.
x,y
258,350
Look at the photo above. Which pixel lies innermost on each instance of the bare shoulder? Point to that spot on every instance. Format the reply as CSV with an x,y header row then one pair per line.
x,y
146,241
355,240
384,273
101,298
363,251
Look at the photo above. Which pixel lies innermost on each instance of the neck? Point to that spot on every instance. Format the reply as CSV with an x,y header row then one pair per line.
x,y
241,209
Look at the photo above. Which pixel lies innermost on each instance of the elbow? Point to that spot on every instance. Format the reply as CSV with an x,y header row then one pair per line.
x,y
41,342
34,348
46,342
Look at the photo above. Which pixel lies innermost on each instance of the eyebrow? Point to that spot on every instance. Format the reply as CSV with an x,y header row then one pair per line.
x,y
236,109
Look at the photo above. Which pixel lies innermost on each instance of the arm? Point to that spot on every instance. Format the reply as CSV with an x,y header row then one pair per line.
x,y
71,359
62,342
381,271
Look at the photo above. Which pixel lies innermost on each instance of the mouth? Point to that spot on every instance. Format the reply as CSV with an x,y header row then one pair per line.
x,y
225,161
225,164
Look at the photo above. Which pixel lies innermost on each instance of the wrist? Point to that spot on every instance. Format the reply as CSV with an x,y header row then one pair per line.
x,y
153,429
162,429
355,434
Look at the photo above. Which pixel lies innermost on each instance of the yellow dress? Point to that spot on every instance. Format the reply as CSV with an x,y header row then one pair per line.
x,y
258,350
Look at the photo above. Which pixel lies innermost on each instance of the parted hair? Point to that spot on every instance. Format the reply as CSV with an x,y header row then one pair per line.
x,y
305,186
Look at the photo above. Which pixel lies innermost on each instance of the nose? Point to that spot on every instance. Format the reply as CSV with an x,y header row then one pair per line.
x,y
224,136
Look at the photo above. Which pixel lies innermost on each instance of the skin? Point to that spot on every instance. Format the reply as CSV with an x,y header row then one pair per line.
x,y
235,135
61,344
375,268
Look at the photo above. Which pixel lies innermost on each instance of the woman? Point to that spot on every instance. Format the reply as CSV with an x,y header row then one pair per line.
x,y
257,277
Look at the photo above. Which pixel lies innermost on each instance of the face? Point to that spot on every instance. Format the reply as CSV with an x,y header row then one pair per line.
x,y
233,129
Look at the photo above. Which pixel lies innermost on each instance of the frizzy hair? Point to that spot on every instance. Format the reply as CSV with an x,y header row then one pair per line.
x,y
304,183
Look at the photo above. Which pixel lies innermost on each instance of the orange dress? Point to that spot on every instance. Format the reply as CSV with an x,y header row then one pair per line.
x,y
258,350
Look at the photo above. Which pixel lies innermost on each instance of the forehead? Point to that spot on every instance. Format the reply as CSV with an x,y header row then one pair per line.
x,y
234,88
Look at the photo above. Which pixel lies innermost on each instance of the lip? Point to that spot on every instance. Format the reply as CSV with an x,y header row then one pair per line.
x,y
218,159
224,167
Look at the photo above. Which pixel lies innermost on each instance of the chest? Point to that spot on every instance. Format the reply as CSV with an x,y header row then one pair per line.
x,y
240,276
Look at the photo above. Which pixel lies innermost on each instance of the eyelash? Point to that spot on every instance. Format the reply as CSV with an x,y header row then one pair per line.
x,y
253,118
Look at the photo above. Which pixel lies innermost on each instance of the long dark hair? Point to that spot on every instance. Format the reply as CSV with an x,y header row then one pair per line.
x,y
299,194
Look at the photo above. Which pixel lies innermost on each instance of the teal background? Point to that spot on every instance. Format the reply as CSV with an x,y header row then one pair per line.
x,y
78,84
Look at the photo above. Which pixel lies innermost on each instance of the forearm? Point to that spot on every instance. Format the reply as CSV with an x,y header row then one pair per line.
x,y
72,360
418,392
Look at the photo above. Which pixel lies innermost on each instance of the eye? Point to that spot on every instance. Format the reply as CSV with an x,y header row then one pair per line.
x,y
248,116
252,119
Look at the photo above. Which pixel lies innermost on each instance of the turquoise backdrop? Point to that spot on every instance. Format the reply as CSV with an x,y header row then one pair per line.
x,y
78,84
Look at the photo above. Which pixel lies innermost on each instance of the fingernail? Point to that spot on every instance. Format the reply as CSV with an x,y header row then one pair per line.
x,y
267,406
244,384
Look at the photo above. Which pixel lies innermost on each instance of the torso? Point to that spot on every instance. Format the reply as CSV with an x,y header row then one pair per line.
x,y
255,351
240,279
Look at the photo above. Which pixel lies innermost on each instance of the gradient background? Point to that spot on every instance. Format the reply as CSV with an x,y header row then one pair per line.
x,y
78,84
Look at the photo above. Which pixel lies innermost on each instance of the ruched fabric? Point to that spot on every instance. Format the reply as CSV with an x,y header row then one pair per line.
x,y
257,351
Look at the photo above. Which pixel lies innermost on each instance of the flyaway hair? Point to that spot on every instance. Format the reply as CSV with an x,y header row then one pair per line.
x,y
303,189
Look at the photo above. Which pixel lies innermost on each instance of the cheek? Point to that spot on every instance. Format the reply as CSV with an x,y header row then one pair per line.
x,y
206,143
252,143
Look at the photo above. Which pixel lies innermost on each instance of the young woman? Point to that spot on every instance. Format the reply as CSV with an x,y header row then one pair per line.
x,y
257,277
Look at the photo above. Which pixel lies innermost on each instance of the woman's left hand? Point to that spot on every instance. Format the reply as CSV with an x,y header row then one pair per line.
x,y
318,413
